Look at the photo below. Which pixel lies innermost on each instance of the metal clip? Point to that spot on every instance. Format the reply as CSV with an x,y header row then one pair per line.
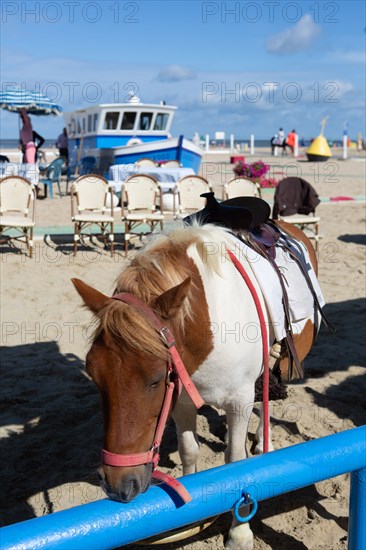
x,y
246,500
167,337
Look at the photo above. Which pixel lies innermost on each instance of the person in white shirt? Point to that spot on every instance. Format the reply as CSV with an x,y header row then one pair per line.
x,y
281,135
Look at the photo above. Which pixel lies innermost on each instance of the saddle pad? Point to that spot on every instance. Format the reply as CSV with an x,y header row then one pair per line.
x,y
301,301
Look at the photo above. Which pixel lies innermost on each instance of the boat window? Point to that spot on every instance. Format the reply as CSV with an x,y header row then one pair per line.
x,y
90,119
111,120
161,121
95,122
79,126
145,121
83,125
128,120
72,127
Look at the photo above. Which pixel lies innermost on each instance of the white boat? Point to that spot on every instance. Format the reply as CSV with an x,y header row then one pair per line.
x,y
122,133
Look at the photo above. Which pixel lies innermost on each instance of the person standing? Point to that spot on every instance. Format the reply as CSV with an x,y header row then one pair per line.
x,y
38,141
291,139
281,136
63,145
26,138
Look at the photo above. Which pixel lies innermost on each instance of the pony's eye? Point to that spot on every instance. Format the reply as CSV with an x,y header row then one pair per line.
x,y
154,385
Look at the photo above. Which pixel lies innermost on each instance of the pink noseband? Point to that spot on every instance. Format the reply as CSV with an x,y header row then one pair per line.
x,y
177,376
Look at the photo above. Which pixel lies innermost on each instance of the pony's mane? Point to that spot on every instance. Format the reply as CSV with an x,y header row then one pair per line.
x,y
159,266
129,328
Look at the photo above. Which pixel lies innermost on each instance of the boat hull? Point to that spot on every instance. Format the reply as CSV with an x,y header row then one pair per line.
x,y
183,150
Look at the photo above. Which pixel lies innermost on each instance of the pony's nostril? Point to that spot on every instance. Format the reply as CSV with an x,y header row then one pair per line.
x,y
130,489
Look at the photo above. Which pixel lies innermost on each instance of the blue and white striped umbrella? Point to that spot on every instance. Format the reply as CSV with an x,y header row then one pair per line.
x,y
33,102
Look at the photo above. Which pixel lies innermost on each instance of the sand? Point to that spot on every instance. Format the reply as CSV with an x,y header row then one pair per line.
x,y
51,419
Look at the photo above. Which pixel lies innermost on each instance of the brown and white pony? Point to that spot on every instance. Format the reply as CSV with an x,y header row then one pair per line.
x,y
188,281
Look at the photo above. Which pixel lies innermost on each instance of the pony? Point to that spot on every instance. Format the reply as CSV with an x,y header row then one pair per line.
x,y
284,145
184,278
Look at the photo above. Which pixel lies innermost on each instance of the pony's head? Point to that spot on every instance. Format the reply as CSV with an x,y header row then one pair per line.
x,y
128,361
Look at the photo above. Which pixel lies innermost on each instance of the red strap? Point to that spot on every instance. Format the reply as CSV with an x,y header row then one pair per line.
x,y
185,378
174,484
180,368
169,339
164,414
113,459
138,304
265,349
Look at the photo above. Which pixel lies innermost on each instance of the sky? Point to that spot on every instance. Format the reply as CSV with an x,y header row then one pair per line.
x,y
234,67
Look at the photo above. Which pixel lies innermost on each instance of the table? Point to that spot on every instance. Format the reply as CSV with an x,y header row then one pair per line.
x,y
28,171
167,177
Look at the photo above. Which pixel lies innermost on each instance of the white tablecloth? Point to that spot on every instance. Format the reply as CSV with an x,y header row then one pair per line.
x,y
167,177
28,171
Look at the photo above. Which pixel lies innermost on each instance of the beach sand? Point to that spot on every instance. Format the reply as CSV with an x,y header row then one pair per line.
x,y
51,418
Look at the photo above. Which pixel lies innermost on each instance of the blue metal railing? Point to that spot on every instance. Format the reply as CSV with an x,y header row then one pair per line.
x,y
106,524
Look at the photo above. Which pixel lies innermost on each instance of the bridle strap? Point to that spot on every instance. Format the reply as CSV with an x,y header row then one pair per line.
x,y
136,459
181,370
113,459
176,366
169,340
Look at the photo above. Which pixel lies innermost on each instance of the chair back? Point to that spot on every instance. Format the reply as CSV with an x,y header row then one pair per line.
x,y
241,187
54,170
189,190
294,196
171,164
16,194
142,192
91,192
145,162
87,165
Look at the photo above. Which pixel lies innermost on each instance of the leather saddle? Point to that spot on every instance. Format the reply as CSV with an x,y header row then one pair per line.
x,y
249,214
249,218
236,213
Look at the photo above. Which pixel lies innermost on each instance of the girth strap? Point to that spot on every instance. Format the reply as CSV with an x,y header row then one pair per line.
x,y
303,270
264,241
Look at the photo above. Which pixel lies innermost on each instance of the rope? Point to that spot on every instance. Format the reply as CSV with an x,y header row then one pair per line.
x,y
265,348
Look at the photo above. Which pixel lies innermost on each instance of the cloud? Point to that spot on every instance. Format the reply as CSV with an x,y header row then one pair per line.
x,y
257,101
348,56
299,37
175,73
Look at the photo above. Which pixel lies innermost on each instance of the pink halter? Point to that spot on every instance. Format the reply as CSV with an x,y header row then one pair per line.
x,y
176,370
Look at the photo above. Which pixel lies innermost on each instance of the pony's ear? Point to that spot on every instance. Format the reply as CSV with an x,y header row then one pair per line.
x,y
93,299
168,303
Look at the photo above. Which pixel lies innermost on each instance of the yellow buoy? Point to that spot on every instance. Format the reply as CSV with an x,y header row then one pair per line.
x,y
319,150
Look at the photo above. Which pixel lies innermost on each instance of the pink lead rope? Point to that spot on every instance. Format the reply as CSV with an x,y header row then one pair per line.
x,y
265,349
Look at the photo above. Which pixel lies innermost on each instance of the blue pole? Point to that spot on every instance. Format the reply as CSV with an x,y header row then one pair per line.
x,y
105,524
357,511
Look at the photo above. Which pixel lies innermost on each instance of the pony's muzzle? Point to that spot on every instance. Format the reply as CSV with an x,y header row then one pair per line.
x,y
124,483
